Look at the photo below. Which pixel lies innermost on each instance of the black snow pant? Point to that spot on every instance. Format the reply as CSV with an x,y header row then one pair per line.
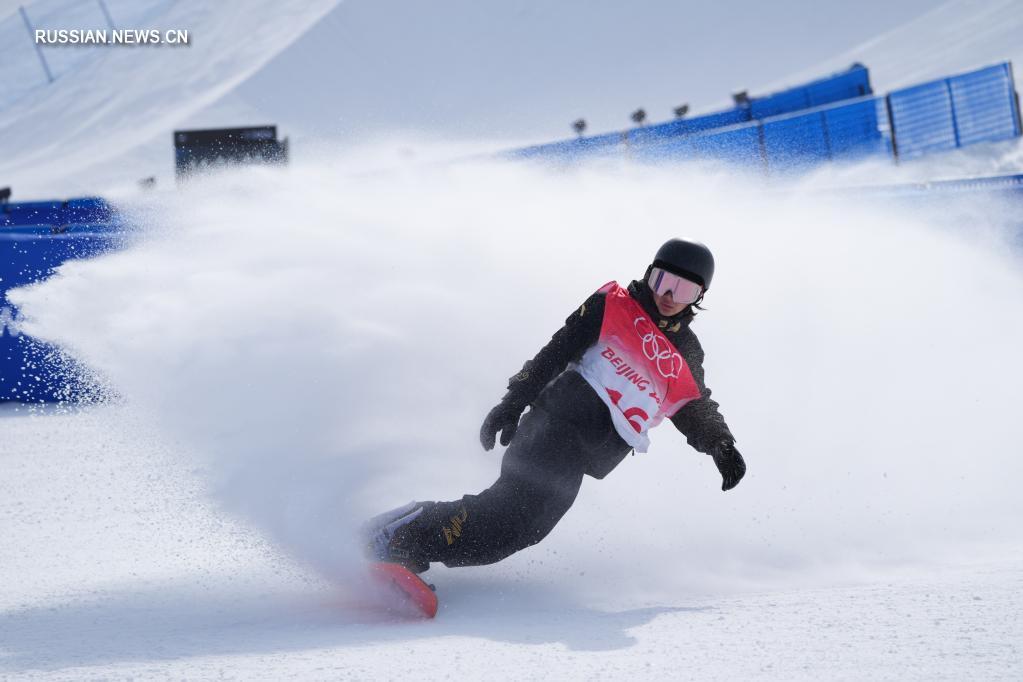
x,y
541,473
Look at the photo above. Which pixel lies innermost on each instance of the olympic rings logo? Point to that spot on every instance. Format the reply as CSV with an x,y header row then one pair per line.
x,y
669,361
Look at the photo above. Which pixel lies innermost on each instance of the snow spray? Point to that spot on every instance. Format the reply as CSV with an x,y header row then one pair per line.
x,y
328,343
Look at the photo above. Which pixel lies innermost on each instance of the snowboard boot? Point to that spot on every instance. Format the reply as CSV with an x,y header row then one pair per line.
x,y
388,537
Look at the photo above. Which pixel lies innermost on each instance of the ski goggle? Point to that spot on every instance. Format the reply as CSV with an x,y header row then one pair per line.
x,y
682,290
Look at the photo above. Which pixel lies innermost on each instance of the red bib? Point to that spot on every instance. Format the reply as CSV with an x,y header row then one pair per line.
x,y
635,369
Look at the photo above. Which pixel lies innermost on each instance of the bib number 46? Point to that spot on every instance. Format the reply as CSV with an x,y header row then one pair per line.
x,y
635,415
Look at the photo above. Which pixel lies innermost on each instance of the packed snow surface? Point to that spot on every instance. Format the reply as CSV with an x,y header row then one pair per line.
x,y
115,568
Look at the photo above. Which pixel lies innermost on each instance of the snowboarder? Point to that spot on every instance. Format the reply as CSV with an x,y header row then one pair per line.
x,y
624,361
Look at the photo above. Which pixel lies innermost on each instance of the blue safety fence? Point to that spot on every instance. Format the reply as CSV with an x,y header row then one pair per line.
x,y
847,85
35,239
854,82
858,129
740,145
56,213
685,126
785,143
572,150
839,132
975,107
980,106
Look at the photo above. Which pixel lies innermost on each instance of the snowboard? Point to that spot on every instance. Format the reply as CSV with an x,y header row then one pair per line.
x,y
402,591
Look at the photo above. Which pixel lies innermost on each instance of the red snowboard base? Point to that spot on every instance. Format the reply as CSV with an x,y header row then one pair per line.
x,y
404,590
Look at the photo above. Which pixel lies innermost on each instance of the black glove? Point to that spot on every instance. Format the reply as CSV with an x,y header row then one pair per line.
x,y
730,463
503,418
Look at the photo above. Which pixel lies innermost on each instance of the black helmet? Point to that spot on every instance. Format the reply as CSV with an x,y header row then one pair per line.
x,y
691,260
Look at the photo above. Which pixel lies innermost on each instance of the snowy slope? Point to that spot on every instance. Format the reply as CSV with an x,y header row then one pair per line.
x,y
487,75
352,73
521,71
958,36
112,115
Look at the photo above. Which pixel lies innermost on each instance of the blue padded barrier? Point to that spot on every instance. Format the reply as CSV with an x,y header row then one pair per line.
x,y
56,213
33,213
735,144
570,150
852,84
34,205
940,115
675,147
789,142
922,118
29,252
86,210
29,370
979,106
983,103
847,85
794,142
740,145
859,129
720,119
844,131
1017,116
782,103
34,217
687,126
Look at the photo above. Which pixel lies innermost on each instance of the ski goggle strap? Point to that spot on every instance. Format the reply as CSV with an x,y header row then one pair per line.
x,y
682,290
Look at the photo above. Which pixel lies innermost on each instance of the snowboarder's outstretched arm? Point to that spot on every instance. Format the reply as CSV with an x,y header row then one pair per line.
x,y
581,330
701,422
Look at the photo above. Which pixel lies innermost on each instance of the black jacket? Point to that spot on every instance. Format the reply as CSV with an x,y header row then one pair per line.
x,y
544,383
